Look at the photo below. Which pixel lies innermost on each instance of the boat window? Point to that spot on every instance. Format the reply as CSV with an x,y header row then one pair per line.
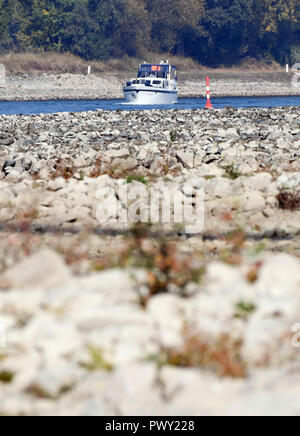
x,y
152,70
156,82
128,84
148,82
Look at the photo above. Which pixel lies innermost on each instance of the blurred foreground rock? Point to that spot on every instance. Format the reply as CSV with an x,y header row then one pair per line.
x,y
85,346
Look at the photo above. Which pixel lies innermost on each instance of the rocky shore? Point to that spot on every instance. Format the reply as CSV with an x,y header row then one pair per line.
x,y
122,319
109,86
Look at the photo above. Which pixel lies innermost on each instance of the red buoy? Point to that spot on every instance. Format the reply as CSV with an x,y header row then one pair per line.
x,y
208,102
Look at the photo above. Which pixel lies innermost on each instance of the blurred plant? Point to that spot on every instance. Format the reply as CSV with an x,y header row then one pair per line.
x,y
97,361
222,356
168,269
252,275
289,200
62,168
232,173
6,376
136,177
236,241
244,309
173,136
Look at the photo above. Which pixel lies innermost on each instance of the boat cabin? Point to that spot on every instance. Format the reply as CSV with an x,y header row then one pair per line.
x,y
155,75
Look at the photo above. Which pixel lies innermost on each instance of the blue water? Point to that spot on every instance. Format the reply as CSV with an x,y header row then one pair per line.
x,y
46,107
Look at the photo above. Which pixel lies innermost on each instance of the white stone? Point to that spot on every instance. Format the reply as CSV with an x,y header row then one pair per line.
x,y
42,270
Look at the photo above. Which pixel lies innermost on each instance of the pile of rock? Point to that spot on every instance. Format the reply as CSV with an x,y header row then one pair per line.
x,y
85,345
242,159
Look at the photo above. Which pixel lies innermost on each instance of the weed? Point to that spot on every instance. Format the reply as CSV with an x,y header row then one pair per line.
x,y
244,309
62,168
6,377
167,267
173,136
289,200
252,275
232,173
136,177
222,356
97,361
82,175
257,249
38,392
236,240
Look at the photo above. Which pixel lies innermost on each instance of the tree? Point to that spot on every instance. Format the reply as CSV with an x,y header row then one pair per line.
x,y
5,12
175,24
276,27
127,24
212,31
227,24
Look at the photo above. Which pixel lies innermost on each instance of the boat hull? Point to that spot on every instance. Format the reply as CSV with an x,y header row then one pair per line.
x,y
150,97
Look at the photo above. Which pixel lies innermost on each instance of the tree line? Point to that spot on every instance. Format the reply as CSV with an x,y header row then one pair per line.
x,y
212,32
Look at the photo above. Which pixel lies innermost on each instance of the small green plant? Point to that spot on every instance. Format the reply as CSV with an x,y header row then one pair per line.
x,y
257,249
6,377
97,361
136,177
82,175
38,392
232,173
244,309
173,136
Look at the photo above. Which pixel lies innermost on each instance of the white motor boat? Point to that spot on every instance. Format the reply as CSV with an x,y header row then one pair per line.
x,y
155,84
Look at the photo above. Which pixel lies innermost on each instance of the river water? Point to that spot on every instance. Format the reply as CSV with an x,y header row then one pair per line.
x,y
46,107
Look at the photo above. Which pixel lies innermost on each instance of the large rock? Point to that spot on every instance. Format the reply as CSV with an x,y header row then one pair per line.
x,y
43,270
253,201
187,159
124,164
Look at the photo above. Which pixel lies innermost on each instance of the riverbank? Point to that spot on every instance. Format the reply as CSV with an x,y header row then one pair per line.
x,y
109,86
93,314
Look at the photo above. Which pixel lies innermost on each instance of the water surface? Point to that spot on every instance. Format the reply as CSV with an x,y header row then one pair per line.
x,y
46,107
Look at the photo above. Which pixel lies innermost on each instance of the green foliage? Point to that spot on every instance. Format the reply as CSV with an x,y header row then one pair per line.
x,y
136,177
173,136
244,309
6,377
232,173
211,31
97,361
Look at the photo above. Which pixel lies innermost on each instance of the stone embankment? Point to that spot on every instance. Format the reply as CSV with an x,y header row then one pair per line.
x,y
95,324
109,86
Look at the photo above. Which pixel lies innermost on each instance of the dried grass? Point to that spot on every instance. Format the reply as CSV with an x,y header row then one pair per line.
x,y
222,356
289,200
60,63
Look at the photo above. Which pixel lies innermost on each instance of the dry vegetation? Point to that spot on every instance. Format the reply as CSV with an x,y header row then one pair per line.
x,y
222,356
57,63
289,200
